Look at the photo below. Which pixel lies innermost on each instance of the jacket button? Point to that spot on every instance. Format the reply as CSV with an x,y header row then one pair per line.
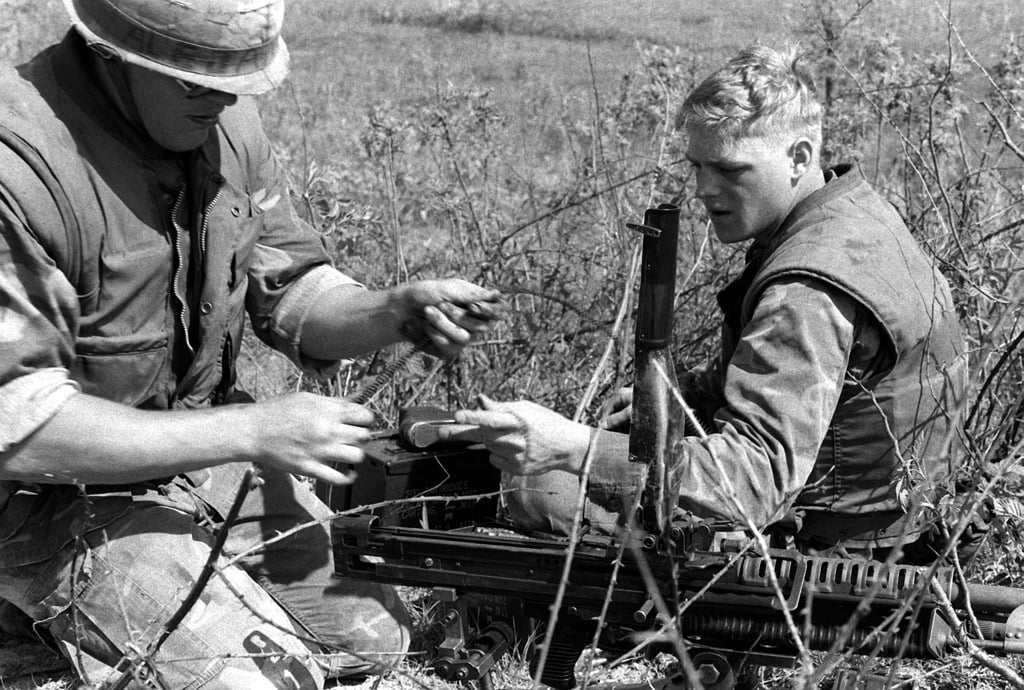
x,y
235,211
205,308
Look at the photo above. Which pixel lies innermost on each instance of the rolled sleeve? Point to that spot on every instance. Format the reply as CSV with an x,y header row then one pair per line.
x,y
614,480
293,309
28,402
39,315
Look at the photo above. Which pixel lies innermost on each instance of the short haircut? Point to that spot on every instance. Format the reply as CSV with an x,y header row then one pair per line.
x,y
762,92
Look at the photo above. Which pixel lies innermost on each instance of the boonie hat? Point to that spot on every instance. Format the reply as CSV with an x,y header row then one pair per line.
x,y
234,46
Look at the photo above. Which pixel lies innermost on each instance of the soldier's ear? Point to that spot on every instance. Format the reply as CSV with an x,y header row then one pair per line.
x,y
801,157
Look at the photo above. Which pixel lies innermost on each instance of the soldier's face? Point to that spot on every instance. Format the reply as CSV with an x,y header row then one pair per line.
x,y
176,115
747,185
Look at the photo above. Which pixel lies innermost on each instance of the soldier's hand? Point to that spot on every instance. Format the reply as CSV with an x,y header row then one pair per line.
x,y
617,411
311,435
523,437
447,315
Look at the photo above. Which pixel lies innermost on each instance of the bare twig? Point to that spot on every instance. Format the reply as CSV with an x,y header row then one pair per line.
x,y
634,269
563,582
125,664
972,649
579,201
730,495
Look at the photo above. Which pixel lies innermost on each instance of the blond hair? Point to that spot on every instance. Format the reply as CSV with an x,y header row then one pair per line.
x,y
760,93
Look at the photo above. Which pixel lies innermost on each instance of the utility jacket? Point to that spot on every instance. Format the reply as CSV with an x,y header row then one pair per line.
x,y
892,434
127,271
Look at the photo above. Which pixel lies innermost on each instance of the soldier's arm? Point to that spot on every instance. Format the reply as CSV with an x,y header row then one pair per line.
x,y
52,433
315,314
780,390
88,440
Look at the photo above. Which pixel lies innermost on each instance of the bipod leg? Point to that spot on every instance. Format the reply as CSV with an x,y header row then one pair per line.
x,y
463,660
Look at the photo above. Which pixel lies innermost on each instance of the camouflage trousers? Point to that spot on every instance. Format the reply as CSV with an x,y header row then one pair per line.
x,y
102,571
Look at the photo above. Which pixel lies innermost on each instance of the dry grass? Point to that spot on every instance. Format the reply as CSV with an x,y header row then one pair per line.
x,y
545,67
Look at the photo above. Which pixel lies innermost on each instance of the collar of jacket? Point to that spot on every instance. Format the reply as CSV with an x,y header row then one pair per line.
x,y
838,181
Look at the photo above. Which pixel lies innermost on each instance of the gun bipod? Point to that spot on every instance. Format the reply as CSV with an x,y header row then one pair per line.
x,y
478,631
465,660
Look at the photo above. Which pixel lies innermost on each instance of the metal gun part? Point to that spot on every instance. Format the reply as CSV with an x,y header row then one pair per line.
x,y
421,427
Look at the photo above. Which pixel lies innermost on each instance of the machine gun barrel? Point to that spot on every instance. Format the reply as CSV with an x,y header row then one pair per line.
x,y
986,597
654,415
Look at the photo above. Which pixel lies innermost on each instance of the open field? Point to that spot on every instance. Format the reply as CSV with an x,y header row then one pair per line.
x,y
509,141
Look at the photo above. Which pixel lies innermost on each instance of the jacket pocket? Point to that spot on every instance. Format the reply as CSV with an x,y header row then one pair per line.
x,y
126,369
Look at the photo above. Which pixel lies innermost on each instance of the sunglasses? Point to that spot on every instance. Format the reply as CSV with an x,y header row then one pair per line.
x,y
192,90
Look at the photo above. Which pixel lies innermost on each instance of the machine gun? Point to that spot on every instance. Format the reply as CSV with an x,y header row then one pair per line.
x,y
729,605
722,604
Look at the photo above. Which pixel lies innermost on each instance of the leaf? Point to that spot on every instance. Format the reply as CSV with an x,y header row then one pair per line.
x,y
1009,507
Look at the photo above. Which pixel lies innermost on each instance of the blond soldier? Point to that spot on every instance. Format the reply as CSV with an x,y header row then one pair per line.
x,y
831,407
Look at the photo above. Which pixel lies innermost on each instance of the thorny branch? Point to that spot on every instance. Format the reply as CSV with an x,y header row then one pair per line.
x,y
251,475
972,649
563,583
